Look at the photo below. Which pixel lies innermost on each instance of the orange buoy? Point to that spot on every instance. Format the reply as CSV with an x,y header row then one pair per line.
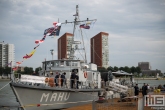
x,y
50,81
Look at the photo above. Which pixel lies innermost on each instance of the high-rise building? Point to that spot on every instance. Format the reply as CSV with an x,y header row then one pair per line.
x,y
7,54
100,49
144,65
64,46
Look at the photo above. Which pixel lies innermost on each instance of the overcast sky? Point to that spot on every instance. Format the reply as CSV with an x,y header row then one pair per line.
x,y
136,28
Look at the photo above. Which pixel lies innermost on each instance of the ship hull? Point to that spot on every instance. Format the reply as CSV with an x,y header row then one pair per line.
x,y
46,98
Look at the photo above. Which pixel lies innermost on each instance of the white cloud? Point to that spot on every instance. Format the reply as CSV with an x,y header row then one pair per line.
x,y
136,28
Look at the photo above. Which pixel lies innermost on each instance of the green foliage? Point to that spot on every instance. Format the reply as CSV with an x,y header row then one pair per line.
x,y
18,71
121,68
7,70
1,71
28,70
138,70
110,68
116,68
133,69
102,69
127,69
37,70
15,75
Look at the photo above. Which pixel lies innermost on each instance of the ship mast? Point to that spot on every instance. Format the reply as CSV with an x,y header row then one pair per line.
x,y
76,22
74,28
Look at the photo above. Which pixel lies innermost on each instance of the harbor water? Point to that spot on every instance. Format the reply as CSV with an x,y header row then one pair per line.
x,y
151,83
8,100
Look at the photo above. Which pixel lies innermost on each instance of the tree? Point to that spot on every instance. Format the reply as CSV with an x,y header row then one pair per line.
x,y
116,68
7,70
28,70
127,69
121,68
138,70
133,69
110,68
37,70
101,69
18,71
1,71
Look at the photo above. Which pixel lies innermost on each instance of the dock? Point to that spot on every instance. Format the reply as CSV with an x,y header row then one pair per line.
x,y
132,105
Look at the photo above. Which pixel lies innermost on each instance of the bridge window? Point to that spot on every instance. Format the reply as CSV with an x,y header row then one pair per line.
x,y
74,63
68,63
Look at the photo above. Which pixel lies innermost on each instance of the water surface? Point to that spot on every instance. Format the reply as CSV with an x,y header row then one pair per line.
x,y
8,99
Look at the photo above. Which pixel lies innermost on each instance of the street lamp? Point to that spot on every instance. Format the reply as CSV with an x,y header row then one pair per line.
x,y
52,51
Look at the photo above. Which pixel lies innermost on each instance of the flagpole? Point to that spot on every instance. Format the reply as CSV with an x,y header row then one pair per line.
x,y
45,68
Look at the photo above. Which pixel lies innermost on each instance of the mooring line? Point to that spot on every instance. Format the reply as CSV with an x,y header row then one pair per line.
x,y
5,86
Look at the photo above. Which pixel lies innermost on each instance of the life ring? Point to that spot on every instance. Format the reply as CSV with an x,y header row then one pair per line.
x,y
46,80
85,74
50,82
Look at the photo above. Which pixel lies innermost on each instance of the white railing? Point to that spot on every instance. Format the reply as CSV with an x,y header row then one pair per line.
x,y
56,82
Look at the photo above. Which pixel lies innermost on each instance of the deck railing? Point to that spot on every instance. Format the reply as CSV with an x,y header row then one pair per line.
x,y
59,83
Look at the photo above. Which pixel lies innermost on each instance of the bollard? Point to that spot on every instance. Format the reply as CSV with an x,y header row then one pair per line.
x,y
111,99
141,103
93,105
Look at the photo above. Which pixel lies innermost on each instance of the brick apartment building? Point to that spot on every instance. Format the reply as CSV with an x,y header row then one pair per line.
x,y
100,49
64,46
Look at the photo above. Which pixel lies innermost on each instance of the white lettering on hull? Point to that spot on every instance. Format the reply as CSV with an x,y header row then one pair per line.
x,y
67,95
43,96
54,95
61,96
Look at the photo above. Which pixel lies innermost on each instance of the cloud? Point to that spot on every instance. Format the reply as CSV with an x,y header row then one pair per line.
x,y
136,28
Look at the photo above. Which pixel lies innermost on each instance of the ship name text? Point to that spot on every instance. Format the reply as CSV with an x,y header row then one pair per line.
x,y
52,97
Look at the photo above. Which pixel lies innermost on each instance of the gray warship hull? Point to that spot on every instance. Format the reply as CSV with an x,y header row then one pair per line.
x,y
49,98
